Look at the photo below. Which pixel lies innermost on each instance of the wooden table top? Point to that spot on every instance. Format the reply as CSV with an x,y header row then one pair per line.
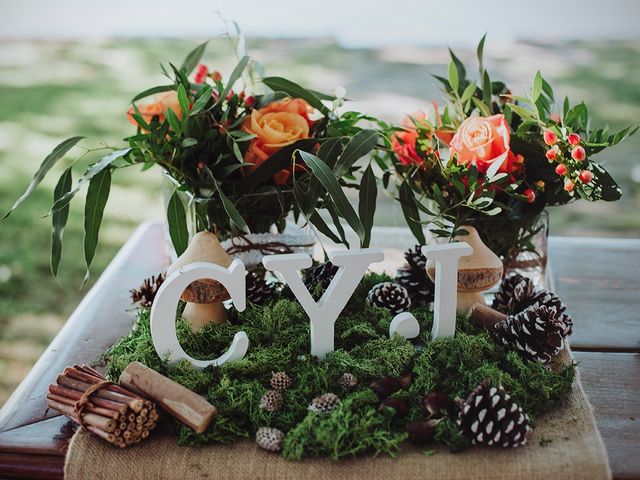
x,y
596,278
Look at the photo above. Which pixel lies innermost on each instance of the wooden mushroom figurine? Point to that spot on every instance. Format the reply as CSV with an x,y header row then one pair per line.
x,y
476,273
204,297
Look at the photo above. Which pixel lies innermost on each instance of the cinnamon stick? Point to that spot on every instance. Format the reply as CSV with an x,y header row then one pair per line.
x,y
188,407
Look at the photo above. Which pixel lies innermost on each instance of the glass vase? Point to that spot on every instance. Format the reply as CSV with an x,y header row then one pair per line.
x,y
530,257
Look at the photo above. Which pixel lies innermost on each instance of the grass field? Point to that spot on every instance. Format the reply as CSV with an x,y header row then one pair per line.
x,y
50,91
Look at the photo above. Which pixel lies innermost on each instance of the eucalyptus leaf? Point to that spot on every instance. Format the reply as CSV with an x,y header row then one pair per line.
x,y
177,221
360,145
480,54
203,99
152,91
183,99
367,202
233,78
59,220
410,211
232,211
279,84
88,175
56,154
330,183
193,58
97,195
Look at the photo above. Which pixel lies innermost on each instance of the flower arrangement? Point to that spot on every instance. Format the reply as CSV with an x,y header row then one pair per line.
x,y
494,160
245,161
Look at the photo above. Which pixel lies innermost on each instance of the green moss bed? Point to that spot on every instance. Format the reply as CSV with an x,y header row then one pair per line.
x,y
279,341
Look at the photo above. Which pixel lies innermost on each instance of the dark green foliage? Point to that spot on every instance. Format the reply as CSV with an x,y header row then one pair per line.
x,y
279,336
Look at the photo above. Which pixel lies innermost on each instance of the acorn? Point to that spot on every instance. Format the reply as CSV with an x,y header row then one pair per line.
x,y
348,381
406,379
422,431
399,405
435,404
385,386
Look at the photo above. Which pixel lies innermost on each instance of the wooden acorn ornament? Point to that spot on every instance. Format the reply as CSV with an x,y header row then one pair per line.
x,y
476,273
204,297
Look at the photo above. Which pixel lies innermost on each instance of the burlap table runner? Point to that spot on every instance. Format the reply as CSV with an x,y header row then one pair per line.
x,y
576,451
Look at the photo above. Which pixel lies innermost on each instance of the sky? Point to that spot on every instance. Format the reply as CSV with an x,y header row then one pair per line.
x,y
354,23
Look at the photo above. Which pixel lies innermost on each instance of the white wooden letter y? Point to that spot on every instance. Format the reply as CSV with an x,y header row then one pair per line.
x,y
324,313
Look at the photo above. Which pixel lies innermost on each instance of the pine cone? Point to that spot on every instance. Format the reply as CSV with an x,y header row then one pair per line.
x,y
271,401
413,277
490,417
324,403
389,295
320,274
348,381
513,293
537,333
517,293
280,381
269,438
259,291
146,293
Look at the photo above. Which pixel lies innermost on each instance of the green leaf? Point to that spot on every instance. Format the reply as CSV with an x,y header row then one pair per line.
x,y
522,112
367,202
279,84
462,73
91,172
359,146
480,53
152,91
233,78
330,183
183,99
468,92
453,77
59,220
480,105
276,162
188,142
193,58
410,211
486,91
97,195
232,211
56,154
174,121
322,226
177,220
203,99
537,86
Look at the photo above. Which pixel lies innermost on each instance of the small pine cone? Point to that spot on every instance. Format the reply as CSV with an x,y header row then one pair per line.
x,y
271,401
320,274
551,301
259,291
537,333
146,293
389,295
324,403
490,417
514,292
413,277
269,438
280,381
348,381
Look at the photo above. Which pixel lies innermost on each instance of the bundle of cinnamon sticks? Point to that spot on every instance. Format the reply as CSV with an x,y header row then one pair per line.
x,y
110,411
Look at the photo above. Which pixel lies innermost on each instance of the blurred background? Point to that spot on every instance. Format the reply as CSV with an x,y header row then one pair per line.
x,y
70,67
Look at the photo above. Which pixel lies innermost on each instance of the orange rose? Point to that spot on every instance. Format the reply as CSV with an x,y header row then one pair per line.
x,y
484,141
158,108
277,125
404,141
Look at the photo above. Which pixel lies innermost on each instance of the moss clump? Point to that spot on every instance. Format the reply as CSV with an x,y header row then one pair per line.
x,y
279,336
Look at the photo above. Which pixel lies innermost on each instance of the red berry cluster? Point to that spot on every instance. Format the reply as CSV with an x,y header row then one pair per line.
x,y
570,156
